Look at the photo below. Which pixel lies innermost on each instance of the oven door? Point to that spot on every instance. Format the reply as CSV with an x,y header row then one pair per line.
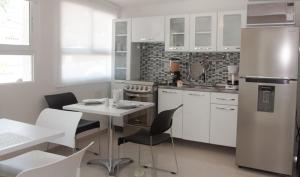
x,y
144,118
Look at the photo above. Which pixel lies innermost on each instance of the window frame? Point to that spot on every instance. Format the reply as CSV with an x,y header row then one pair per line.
x,y
11,49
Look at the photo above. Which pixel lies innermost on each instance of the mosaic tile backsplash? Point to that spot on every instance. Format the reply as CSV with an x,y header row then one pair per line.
x,y
155,64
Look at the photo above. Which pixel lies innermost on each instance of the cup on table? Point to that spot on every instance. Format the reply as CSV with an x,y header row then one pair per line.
x,y
106,102
117,94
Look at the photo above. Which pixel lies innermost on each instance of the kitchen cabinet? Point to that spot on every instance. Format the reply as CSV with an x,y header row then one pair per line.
x,y
223,125
177,33
203,32
148,29
170,99
121,49
229,29
206,117
196,116
224,98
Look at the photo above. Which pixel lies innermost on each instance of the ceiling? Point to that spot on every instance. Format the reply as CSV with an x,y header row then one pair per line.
x,y
136,2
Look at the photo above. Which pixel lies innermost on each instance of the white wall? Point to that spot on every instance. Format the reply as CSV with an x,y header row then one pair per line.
x,y
188,6
24,102
181,7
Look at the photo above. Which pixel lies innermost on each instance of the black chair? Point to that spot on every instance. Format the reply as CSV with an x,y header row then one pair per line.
x,y
58,101
155,136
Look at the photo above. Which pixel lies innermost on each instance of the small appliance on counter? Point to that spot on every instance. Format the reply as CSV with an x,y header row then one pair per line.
x,y
174,71
233,78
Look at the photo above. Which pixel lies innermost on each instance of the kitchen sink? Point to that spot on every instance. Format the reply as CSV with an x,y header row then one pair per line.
x,y
203,87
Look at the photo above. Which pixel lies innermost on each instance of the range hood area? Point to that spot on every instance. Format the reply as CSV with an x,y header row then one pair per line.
x,y
270,13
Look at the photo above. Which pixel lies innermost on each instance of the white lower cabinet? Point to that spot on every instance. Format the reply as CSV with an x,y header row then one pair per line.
x,y
223,125
170,99
196,116
206,117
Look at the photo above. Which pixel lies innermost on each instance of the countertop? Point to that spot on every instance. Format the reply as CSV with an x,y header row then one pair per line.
x,y
200,89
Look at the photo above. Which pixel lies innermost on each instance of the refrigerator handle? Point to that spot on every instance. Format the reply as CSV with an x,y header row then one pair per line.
x,y
269,80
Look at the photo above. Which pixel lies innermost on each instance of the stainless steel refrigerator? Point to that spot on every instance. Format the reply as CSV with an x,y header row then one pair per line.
x,y
267,100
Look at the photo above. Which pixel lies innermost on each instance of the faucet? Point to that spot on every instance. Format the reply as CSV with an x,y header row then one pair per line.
x,y
203,77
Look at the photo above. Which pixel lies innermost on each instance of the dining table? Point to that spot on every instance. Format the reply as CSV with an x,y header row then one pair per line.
x,y
16,135
112,110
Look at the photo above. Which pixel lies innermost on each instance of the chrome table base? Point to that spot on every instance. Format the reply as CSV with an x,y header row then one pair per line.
x,y
111,164
115,164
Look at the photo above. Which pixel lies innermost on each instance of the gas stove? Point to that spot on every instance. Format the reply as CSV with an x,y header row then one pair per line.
x,y
140,87
143,92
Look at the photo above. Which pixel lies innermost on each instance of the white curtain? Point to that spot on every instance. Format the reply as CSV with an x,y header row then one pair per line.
x,y
86,40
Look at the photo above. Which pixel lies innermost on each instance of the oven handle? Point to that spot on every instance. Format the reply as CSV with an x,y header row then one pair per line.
x,y
136,95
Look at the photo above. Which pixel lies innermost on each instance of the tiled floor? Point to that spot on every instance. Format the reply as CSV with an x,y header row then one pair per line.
x,y
195,160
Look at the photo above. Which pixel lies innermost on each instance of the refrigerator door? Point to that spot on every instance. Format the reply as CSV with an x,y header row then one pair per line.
x,y
266,124
270,52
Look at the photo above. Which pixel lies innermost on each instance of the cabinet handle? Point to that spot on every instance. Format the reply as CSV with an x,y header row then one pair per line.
x,y
227,109
143,39
238,48
194,94
226,99
169,92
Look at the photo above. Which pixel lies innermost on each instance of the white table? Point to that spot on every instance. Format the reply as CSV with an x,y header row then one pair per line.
x,y
36,134
111,164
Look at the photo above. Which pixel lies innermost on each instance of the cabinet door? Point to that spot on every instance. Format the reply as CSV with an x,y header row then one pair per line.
x,y
223,125
196,116
203,32
121,49
177,33
170,99
148,29
229,31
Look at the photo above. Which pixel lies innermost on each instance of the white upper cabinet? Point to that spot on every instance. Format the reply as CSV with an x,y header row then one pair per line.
x,y
177,33
121,49
229,30
148,29
203,32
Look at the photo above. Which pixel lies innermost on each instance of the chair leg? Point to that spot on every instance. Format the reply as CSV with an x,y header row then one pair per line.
x,y
47,148
99,145
153,163
139,146
152,154
175,155
118,154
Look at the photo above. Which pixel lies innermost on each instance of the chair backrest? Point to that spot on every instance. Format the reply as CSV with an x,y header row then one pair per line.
x,y
67,167
163,122
65,121
58,101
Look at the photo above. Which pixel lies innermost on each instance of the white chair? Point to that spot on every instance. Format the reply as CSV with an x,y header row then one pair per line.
x,y
66,121
42,164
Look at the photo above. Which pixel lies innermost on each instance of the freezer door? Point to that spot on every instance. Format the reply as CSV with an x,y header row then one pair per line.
x,y
266,125
270,52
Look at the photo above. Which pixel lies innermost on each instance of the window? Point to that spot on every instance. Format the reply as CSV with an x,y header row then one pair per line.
x,y
16,54
86,39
